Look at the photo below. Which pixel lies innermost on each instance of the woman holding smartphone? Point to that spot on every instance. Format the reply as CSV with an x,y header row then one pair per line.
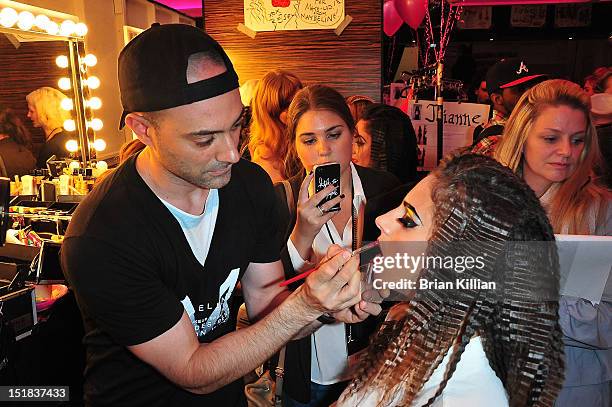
x,y
321,130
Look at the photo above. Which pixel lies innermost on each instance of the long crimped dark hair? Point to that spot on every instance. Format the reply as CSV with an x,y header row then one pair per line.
x,y
394,143
477,200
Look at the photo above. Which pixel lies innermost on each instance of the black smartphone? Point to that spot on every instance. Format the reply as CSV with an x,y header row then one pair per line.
x,y
324,175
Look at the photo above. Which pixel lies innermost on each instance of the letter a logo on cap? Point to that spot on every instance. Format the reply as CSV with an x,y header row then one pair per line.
x,y
522,68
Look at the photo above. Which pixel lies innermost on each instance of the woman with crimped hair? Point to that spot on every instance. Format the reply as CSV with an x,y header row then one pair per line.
x,y
268,143
497,346
15,144
385,140
45,112
357,104
551,142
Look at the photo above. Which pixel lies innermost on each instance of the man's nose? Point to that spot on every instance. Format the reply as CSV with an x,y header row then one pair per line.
x,y
228,150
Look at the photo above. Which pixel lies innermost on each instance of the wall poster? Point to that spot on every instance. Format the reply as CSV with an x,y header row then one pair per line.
x,y
277,15
460,119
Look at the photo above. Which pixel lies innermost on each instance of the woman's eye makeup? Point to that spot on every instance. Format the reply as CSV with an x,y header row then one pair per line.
x,y
411,218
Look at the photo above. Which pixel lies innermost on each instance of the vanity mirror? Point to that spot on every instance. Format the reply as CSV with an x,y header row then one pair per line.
x,y
41,48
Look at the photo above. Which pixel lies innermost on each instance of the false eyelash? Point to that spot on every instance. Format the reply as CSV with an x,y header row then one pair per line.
x,y
411,218
407,222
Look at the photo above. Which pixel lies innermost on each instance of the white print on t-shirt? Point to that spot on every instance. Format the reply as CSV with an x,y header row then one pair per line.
x,y
189,309
220,313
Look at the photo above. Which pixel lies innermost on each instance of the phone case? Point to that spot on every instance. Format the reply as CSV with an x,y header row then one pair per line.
x,y
326,174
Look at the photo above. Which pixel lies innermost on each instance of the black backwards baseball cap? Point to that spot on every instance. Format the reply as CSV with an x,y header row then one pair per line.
x,y
153,69
507,73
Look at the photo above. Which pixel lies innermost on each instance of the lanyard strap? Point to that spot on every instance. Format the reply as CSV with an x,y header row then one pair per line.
x,y
353,223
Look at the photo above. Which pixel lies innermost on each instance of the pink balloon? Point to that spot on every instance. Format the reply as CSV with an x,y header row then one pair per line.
x,y
411,11
391,19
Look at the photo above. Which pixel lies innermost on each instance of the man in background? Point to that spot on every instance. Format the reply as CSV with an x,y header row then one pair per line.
x,y
506,82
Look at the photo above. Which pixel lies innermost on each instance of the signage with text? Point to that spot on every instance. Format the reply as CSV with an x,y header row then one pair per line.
x,y
277,15
459,120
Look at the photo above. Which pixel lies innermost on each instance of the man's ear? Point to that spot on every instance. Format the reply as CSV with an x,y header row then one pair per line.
x,y
140,126
496,99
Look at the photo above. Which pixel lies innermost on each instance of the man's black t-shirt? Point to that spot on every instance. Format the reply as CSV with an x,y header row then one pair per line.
x,y
133,273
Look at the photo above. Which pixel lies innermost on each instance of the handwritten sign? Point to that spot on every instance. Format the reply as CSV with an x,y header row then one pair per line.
x,y
573,15
528,16
460,119
277,15
475,18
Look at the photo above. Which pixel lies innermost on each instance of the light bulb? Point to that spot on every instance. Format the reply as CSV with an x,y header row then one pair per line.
x,y
67,28
95,124
93,82
41,21
62,61
8,17
52,28
64,83
80,29
72,146
69,125
25,20
67,104
90,60
99,144
102,165
94,103
73,164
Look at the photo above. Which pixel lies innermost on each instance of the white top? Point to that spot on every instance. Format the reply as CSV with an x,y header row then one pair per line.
x,y
474,384
198,229
329,355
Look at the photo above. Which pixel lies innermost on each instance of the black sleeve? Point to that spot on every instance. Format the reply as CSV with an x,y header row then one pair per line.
x,y
119,287
286,223
267,247
495,130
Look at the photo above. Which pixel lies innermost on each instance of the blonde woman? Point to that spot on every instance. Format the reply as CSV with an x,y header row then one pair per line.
x,y
268,143
551,142
45,112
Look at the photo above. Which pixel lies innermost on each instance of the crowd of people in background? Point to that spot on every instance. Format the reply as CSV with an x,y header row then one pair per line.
x,y
535,169
550,133
555,136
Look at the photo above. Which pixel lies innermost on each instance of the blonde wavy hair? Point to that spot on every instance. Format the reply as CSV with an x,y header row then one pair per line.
x,y
46,101
580,203
272,97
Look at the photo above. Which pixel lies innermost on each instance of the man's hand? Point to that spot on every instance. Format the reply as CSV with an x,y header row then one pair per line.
x,y
358,312
334,286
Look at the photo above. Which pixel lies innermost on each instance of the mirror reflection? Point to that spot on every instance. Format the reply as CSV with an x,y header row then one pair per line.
x,y
31,102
